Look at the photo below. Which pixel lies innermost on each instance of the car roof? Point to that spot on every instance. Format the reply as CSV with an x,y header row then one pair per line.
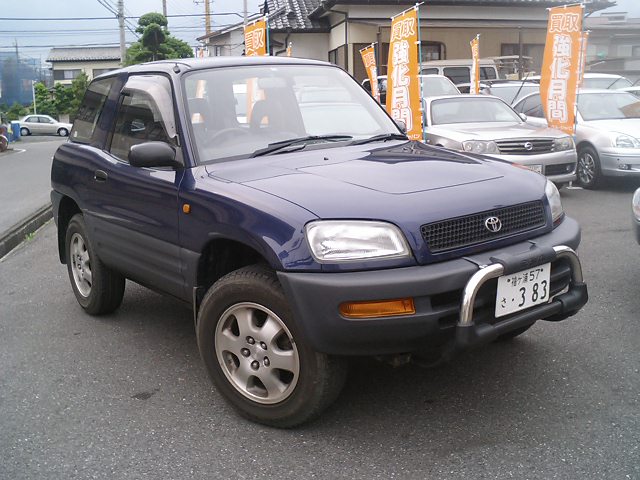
x,y
602,75
462,62
180,65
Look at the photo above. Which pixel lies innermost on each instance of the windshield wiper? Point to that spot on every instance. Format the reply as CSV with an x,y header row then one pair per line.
x,y
381,138
275,146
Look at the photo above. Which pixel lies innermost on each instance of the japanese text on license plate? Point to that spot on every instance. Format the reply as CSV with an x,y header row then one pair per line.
x,y
522,290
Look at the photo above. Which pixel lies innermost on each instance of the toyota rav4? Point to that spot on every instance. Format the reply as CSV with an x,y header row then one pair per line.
x,y
301,227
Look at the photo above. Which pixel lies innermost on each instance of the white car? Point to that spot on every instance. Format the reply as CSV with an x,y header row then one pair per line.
x,y
43,125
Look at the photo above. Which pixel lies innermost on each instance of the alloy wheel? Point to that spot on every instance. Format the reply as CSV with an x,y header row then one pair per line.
x,y
80,265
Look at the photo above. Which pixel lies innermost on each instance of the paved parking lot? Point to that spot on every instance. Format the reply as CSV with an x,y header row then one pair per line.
x,y
126,396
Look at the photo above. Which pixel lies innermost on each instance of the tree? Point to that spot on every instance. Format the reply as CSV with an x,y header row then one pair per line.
x,y
16,111
156,42
45,103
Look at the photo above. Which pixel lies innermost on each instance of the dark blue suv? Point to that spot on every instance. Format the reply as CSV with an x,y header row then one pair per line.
x,y
281,202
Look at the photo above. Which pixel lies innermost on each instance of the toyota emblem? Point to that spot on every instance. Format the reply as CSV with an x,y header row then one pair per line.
x,y
528,146
493,224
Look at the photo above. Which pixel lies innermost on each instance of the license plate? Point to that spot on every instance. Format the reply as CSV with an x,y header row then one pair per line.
x,y
522,290
535,168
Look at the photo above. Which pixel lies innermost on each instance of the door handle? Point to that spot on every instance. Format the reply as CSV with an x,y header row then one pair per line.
x,y
100,176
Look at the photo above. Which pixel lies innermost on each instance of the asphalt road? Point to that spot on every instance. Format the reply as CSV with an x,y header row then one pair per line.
x,y
126,396
25,178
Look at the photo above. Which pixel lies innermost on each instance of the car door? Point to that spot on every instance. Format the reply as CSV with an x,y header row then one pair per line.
x,y
47,125
135,216
31,123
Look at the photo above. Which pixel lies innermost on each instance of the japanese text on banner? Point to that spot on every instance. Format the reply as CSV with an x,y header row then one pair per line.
x,y
255,39
403,89
369,60
560,67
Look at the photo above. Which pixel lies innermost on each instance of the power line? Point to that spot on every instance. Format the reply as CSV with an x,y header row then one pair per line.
x,y
64,19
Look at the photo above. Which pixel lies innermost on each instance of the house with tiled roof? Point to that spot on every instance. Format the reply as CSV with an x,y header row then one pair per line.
x,y
336,30
68,63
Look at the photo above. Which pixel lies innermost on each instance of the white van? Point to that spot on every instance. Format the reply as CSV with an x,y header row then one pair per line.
x,y
459,70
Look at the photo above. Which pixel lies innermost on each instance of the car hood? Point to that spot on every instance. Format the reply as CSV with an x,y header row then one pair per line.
x,y
628,126
398,182
493,131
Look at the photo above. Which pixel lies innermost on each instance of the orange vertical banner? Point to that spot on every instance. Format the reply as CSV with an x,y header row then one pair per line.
x,y
403,86
475,65
290,49
561,67
369,60
256,38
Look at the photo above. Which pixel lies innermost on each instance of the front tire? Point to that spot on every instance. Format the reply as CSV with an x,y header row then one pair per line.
x,y
63,132
256,356
588,169
98,289
24,131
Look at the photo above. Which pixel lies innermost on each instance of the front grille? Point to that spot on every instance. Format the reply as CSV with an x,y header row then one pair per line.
x,y
470,230
559,169
525,146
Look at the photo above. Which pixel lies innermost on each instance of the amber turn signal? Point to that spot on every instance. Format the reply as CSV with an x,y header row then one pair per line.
x,y
378,308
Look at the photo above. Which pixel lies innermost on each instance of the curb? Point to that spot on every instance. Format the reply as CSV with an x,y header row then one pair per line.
x,y
16,234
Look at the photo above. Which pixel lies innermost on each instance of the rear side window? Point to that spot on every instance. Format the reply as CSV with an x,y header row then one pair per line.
x,y
89,112
487,73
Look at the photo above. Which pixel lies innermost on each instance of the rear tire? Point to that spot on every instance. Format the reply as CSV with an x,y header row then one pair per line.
x,y
63,132
245,331
98,289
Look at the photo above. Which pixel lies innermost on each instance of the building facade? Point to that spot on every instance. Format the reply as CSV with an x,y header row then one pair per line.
x,y
68,63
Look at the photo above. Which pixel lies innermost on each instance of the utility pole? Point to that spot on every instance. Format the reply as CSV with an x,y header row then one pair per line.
x,y
207,17
164,8
244,11
123,49
33,93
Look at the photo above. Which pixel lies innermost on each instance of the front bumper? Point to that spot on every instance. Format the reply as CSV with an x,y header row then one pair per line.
x,y
620,162
559,167
438,291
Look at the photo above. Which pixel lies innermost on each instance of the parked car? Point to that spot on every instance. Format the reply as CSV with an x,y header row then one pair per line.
x,y
43,125
508,90
607,133
299,239
604,81
635,90
635,207
459,70
487,125
432,85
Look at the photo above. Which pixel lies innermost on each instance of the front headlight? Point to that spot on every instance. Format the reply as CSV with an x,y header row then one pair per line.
x,y
553,196
480,146
622,140
355,240
563,143
635,204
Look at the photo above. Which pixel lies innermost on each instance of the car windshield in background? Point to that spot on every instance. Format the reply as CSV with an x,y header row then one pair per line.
x,y
238,111
471,109
608,106
435,86
606,83
511,93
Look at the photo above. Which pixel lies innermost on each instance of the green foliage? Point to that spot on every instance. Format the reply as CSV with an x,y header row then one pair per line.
x,y
78,88
17,111
156,42
45,103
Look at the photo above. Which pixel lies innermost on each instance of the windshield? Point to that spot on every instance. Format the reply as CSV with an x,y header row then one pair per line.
x,y
471,109
608,106
608,82
237,111
435,86
511,93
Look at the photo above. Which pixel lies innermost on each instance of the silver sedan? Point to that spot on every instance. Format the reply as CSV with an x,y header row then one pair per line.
x,y
43,124
487,125
607,133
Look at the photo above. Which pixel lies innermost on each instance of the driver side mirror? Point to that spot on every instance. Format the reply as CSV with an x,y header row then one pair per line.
x,y
153,154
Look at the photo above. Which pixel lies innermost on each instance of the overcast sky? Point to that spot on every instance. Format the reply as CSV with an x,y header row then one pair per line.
x,y
36,37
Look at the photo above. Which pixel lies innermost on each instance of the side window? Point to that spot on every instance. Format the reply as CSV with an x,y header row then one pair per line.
x,y
31,119
487,73
89,111
145,114
458,74
430,71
